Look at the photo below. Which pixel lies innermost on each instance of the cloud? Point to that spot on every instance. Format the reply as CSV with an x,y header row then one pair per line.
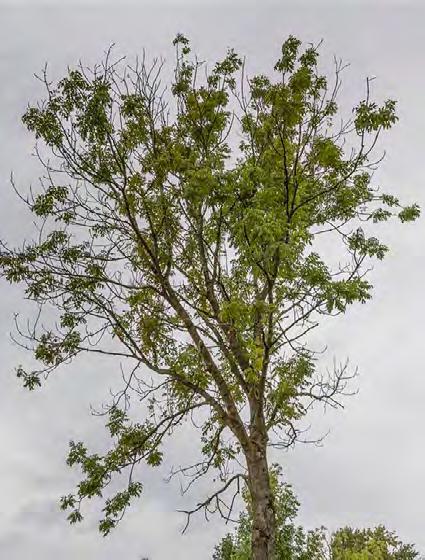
x,y
370,467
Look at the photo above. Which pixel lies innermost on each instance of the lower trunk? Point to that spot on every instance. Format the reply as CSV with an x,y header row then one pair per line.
x,y
263,515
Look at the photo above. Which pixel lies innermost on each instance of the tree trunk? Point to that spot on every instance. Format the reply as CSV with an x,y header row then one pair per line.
x,y
263,514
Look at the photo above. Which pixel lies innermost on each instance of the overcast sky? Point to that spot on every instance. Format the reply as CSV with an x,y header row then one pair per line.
x,y
371,468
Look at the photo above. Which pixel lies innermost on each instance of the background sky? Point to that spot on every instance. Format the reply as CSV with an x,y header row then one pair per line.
x,y
371,467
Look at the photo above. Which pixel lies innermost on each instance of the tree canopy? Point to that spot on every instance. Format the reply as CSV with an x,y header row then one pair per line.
x,y
184,232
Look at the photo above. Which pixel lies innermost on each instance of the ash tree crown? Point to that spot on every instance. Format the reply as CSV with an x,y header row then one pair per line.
x,y
180,235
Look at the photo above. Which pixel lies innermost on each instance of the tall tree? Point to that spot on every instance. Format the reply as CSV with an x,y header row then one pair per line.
x,y
180,232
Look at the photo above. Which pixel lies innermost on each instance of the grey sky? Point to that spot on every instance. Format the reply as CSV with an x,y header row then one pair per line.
x,y
371,467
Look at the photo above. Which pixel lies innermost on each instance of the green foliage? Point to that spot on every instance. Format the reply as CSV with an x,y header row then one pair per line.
x,y
370,544
130,440
181,234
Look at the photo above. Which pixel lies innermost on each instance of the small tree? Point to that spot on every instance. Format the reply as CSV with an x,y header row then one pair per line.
x,y
181,234
373,544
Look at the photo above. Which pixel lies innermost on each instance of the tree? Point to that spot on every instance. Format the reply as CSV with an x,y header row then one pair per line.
x,y
180,232
365,544
293,542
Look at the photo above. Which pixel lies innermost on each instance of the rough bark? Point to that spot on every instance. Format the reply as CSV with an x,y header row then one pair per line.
x,y
263,514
